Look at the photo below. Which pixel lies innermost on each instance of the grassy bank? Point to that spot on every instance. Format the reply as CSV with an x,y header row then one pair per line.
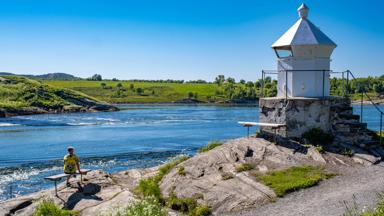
x,y
19,93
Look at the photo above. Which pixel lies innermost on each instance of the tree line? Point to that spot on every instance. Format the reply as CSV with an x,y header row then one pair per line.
x,y
369,84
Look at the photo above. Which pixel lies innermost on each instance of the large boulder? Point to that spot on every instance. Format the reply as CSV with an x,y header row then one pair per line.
x,y
212,178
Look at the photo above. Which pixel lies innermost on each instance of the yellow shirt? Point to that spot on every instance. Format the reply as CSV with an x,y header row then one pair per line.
x,y
70,162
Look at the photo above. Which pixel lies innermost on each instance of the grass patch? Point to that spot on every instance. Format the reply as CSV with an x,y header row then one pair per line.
x,y
226,176
149,206
188,206
348,152
320,149
184,205
244,167
49,208
292,179
380,134
150,186
181,171
202,211
211,145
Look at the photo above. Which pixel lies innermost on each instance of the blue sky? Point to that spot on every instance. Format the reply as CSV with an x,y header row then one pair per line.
x,y
178,39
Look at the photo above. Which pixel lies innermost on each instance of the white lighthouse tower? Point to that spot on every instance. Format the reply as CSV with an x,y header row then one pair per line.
x,y
303,63
303,104
303,59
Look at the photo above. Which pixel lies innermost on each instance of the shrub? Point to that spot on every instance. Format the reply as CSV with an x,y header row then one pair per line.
x,y
150,186
320,149
202,211
163,170
244,167
184,205
294,178
148,206
49,208
348,152
317,136
211,145
226,176
181,171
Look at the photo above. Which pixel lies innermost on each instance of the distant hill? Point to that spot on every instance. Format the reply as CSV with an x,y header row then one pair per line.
x,y
6,74
56,76
49,76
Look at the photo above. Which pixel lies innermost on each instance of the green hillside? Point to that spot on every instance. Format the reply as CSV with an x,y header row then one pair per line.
x,y
161,92
19,95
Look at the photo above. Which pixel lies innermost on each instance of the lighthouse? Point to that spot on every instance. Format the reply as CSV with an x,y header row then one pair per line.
x,y
303,59
303,70
303,102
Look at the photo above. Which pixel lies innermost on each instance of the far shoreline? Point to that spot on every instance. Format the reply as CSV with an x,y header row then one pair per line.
x,y
32,111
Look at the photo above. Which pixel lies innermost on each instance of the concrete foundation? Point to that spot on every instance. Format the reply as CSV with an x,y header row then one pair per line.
x,y
299,114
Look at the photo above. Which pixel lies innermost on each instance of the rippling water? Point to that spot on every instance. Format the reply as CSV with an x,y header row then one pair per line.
x,y
32,147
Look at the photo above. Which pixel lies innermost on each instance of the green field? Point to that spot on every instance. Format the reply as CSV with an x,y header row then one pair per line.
x,y
151,92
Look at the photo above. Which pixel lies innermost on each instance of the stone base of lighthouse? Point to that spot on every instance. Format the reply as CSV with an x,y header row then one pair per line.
x,y
334,115
298,114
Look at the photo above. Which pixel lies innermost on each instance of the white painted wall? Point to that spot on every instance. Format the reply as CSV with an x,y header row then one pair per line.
x,y
306,83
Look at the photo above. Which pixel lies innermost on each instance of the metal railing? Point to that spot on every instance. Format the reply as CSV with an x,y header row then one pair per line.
x,y
346,77
364,93
286,72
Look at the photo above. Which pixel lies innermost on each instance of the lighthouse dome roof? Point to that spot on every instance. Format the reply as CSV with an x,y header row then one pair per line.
x,y
303,32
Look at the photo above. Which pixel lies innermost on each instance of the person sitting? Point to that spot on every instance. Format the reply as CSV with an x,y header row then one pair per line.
x,y
71,163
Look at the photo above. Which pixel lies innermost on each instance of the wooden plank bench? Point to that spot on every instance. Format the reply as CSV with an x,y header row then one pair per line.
x,y
272,125
58,177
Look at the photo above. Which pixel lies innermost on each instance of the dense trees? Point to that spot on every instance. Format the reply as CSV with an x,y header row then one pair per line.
x,y
95,77
358,85
227,89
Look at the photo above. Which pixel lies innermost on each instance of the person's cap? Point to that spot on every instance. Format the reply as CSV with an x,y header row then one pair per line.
x,y
70,148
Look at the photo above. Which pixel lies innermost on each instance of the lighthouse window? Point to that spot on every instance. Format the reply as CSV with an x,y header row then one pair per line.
x,y
281,53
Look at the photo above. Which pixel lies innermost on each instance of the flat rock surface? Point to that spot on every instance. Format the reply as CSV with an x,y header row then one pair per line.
x,y
329,196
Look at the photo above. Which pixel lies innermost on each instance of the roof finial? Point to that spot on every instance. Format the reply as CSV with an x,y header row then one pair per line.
x,y
303,11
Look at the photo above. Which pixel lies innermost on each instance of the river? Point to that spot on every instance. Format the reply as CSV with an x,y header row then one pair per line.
x,y
138,136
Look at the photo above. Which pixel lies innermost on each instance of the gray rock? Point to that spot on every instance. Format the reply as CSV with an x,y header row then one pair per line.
x,y
204,172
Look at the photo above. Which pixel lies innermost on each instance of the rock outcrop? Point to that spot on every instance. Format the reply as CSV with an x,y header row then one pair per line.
x,y
209,177
206,174
102,193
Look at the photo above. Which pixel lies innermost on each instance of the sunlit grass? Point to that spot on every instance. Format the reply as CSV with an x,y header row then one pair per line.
x,y
211,145
49,208
292,179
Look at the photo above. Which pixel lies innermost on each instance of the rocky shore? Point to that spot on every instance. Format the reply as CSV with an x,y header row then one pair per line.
x,y
212,178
